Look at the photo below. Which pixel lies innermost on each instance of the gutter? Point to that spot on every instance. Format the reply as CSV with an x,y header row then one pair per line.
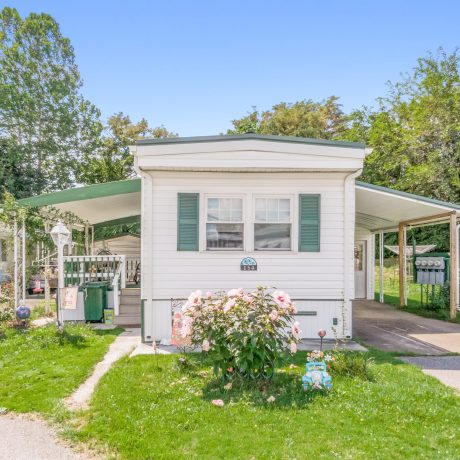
x,y
458,266
146,248
348,242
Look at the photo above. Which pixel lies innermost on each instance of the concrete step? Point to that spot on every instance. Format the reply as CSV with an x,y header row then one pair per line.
x,y
128,320
130,309
130,300
131,292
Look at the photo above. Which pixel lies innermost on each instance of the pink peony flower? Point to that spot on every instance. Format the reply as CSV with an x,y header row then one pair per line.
x,y
293,347
281,298
186,329
296,329
205,345
193,299
236,292
273,315
218,402
248,298
229,305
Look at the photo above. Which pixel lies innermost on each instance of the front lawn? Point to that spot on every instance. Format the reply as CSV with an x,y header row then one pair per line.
x,y
145,410
40,366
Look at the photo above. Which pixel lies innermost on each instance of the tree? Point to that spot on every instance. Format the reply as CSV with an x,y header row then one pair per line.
x,y
45,123
415,132
111,160
324,120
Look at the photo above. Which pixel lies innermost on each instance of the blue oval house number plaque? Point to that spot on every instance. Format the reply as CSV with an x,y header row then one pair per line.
x,y
248,264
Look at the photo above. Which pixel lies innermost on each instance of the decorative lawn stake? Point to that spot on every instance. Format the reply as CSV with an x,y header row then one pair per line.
x,y
322,334
316,376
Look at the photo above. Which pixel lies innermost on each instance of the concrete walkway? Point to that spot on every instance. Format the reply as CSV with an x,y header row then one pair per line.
x,y
23,438
445,368
387,328
123,345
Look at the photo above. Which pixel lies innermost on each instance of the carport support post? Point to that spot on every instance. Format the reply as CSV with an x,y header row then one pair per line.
x,y
453,265
381,249
402,266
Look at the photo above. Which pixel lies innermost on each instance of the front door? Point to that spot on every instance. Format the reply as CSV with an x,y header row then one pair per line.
x,y
360,269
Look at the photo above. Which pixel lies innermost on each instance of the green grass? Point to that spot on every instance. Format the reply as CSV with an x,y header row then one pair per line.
x,y
391,296
145,410
40,366
39,311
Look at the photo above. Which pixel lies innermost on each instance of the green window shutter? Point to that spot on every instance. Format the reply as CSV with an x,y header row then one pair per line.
x,y
309,223
187,221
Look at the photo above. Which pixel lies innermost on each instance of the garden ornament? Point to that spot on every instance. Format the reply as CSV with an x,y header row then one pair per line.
x,y
322,334
22,313
316,376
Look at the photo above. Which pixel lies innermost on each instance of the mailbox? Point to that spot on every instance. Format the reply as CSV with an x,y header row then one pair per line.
x,y
431,269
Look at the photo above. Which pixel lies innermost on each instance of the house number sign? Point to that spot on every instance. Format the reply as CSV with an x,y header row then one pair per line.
x,y
248,264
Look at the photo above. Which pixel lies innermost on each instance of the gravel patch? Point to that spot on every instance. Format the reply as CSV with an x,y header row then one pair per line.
x,y
32,439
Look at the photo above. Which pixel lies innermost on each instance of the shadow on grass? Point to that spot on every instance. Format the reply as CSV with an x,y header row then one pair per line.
x,y
414,306
285,387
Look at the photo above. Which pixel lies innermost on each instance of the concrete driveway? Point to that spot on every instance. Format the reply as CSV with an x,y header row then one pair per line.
x,y
389,329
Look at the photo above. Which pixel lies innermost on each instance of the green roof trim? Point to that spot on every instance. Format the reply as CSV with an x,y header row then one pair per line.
x,y
120,221
84,193
250,136
115,236
411,196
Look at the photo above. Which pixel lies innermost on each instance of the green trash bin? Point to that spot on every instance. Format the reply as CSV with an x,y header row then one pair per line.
x,y
95,300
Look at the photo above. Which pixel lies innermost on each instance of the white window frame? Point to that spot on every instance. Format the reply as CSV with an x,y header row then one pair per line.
x,y
292,221
204,220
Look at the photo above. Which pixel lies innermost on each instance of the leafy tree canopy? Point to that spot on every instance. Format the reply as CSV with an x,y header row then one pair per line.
x,y
111,160
323,120
415,132
46,125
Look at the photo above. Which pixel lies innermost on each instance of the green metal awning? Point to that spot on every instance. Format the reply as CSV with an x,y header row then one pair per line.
x,y
111,203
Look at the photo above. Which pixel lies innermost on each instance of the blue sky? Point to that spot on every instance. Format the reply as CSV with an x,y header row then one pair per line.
x,y
193,66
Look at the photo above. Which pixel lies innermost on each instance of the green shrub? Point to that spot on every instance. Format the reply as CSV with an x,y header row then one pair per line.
x,y
352,364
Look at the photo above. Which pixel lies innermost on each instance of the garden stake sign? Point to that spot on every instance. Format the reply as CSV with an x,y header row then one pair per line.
x,y
316,376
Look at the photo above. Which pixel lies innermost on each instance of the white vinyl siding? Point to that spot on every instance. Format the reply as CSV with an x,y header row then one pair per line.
x,y
305,275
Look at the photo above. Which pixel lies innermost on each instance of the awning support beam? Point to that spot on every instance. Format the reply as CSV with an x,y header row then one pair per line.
x,y
402,265
381,258
453,265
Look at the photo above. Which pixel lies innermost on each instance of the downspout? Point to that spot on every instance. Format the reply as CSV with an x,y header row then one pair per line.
x,y
347,251
146,247
458,266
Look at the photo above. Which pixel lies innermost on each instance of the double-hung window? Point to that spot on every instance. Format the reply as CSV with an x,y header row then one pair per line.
x,y
224,223
272,224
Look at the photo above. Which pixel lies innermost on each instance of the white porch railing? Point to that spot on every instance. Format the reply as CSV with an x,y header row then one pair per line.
x,y
84,269
116,283
132,269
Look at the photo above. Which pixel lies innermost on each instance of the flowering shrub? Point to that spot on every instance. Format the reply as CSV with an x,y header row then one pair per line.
x,y
242,333
320,356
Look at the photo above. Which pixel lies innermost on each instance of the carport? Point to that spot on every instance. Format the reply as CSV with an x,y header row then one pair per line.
x,y
382,210
100,205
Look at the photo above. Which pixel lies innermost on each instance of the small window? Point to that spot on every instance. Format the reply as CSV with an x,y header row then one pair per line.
x,y
272,224
224,224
